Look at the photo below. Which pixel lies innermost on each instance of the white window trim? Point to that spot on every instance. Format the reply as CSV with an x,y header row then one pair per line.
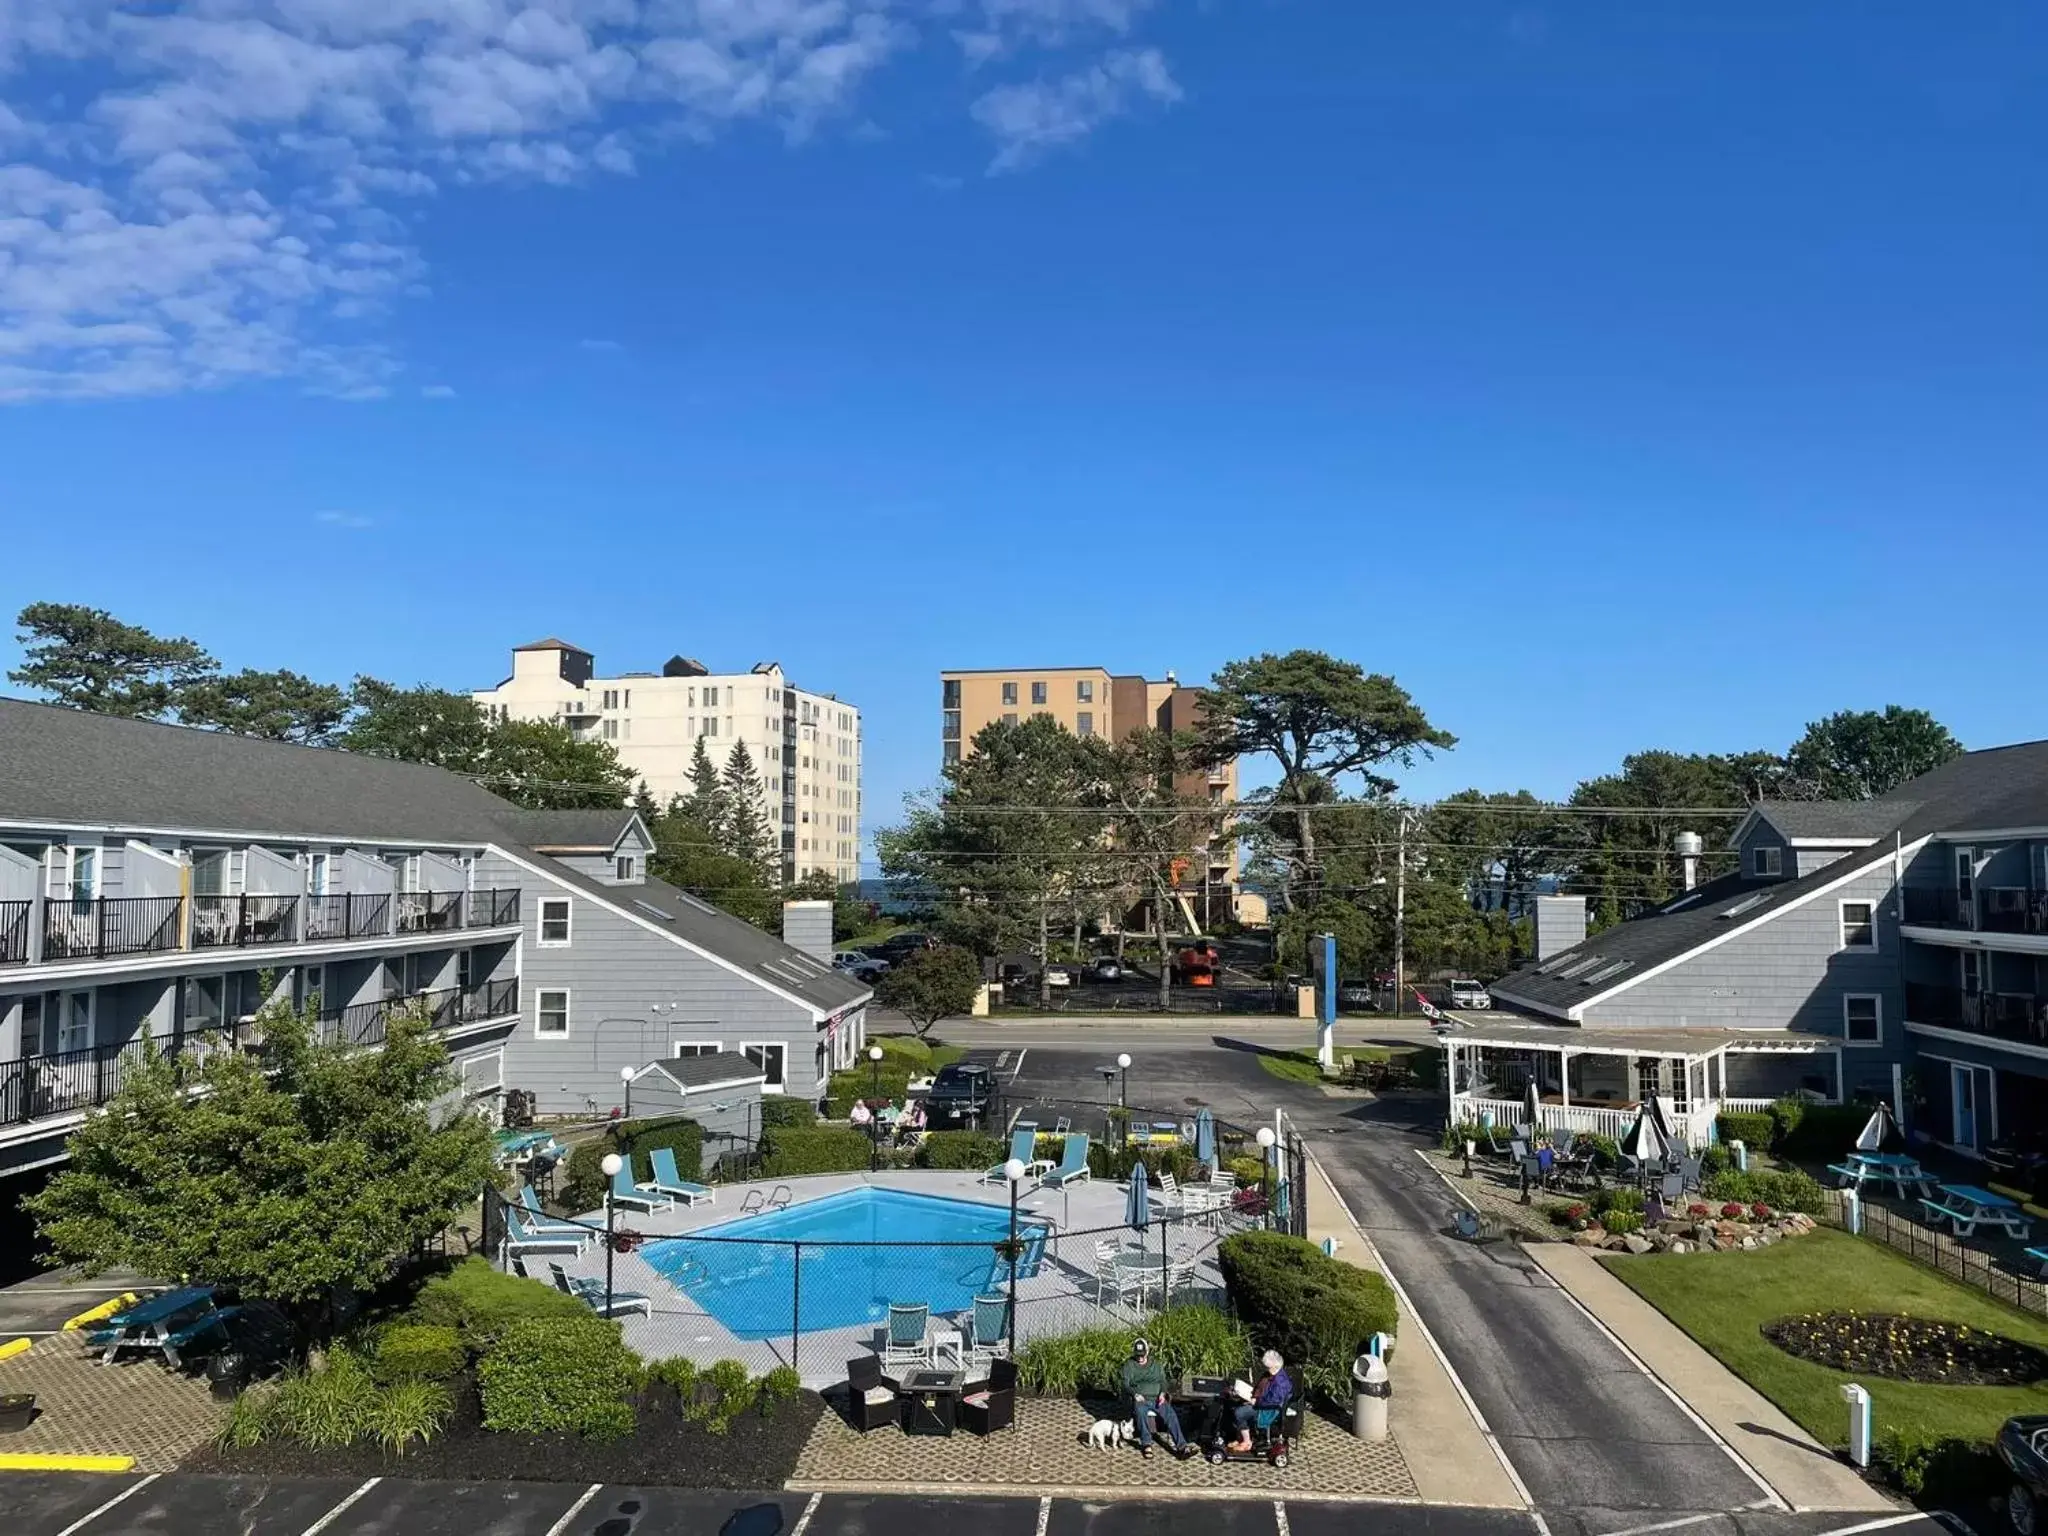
x,y
695,1047
765,1046
1766,861
1842,928
92,1019
1876,998
540,996
626,866
568,906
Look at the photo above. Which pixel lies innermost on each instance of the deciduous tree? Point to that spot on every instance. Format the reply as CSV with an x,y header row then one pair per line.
x,y
1861,754
931,985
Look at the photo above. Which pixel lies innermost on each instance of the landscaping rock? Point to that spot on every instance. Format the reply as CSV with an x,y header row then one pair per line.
x,y
1766,1238
1748,1242
1680,1245
1592,1237
1635,1242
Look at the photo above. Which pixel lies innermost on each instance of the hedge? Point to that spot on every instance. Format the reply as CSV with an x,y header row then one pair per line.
x,y
1755,1129
583,1182
815,1149
637,1138
1319,1312
560,1374
1108,1162
780,1112
419,1351
1793,1191
480,1303
961,1149
1823,1130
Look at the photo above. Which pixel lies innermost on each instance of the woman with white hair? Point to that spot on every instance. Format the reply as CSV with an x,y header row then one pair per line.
x,y
1273,1392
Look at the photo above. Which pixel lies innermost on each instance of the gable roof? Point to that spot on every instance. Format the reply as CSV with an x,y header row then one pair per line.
x,y
1853,823
551,644
586,831
713,1069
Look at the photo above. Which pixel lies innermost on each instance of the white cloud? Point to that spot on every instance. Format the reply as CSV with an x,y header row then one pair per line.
x,y
1031,119
233,203
344,519
437,392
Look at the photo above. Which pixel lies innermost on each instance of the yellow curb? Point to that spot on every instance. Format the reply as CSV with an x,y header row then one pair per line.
x,y
104,1310
15,1347
58,1463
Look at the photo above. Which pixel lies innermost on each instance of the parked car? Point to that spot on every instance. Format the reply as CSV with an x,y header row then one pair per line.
x,y
1104,968
961,1091
1357,994
898,948
1471,995
862,967
1059,976
2023,1447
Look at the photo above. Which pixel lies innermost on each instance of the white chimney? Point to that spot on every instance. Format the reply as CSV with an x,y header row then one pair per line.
x,y
1560,923
807,925
1689,846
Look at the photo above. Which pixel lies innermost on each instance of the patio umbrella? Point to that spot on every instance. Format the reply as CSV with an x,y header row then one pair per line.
x,y
1645,1141
1655,1105
1532,1105
1205,1137
1879,1131
1138,1209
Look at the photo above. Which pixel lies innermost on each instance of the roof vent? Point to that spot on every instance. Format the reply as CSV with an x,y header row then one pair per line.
x,y
1689,845
684,666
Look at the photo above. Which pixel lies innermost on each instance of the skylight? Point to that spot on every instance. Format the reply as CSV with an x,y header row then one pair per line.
x,y
1606,971
1747,903
653,911
1585,963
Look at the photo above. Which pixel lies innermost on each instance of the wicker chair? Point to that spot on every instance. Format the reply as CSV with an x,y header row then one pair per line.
x,y
987,1406
871,1399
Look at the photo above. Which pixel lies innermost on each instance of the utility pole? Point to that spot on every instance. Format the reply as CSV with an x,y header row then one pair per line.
x,y
1401,913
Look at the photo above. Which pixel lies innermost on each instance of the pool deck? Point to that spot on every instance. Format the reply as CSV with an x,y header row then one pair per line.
x,y
1061,1298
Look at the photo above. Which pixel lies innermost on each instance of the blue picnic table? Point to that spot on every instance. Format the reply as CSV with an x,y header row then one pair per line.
x,y
1966,1207
167,1322
1895,1168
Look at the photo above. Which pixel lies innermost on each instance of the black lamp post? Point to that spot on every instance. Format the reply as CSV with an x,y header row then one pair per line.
x,y
1014,1171
875,1118
626,1078
611,1165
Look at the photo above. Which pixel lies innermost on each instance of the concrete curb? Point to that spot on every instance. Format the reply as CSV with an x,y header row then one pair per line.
x,y
1113,1495
15,1347
104,1310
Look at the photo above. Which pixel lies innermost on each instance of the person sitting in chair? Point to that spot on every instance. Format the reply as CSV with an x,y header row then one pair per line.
x,y
1144,1384
1274,1390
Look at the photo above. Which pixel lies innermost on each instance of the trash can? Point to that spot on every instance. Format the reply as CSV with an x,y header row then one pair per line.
x,y
1740,1152
1370,1391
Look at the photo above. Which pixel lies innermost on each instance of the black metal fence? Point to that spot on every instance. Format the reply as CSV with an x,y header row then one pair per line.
x,y
14,919
367,1024
111,925
62,1082
1987,1271
242,921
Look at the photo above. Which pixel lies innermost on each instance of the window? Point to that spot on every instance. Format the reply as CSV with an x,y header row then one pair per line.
x,y
770,1059
316,874
710,725
628,867
626,698
611,730
1084,691
32,1041
551,1012
1767,860
1084,723
554,921
1038,693
1009,693
85,873
1010,719
949,724
611,698
696,1048
1862,1019
74,1026
1859,925
1973,972
710,697
951,755
1649,1075
312,986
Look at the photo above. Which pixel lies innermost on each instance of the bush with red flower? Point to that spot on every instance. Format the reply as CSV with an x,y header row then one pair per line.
x,y
1698,1210
1732,1211
1760,1212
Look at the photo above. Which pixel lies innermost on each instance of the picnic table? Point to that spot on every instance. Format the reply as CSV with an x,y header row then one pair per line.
x,y
167,1322
1895,1168
1966,1207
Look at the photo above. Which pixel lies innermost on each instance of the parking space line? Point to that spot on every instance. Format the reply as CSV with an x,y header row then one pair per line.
x,y
1280,1516
1019,1067
1664,1525
1877,1525
1044,1514
574,1510
340,1509
803,1520
133,1488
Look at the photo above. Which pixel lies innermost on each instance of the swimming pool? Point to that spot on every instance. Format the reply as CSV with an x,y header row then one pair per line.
x,y
861,1249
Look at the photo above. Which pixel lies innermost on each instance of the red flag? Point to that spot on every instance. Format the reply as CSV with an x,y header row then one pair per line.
x,y
1430,1010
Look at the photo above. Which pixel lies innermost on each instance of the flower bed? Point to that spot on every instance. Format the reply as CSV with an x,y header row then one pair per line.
x,y
1908,1348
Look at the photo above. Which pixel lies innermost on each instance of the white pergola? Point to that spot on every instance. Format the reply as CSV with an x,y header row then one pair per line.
x,y
1595,1079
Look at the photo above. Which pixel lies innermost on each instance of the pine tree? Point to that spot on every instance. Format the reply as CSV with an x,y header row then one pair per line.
x,y
706,804
748,833
643,802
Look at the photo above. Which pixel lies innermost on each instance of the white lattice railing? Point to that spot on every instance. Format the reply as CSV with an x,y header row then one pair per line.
x,y
1694,1124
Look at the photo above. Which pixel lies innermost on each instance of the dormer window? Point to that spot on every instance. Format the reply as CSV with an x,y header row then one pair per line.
x,y
628,867
1767,862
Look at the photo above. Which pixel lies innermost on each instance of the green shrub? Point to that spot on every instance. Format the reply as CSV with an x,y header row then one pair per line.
x,y
1786,1115
335,1405
1824,1131
819,1149
250,1419
419,1352
479,1302
1755,1129
1250,1171
781,1112
558,1373
782,1385
1455,1136
680,1373
1607,1147
1319,1312
1942,1470
960,1149
635,1139
1625,1200
1714,1160
1621,1223
1075,1363
734,1390
409,1412
1113,1162
582,1183
1788,1191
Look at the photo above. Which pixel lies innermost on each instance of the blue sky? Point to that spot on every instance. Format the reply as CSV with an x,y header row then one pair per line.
x,y
1614,375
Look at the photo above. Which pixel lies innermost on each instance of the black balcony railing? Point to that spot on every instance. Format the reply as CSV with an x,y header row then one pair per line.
x,y
244,922
14,919
492,909
347,917
367,1023
2002,1015
1992,909
429,911
492,1000
61,1082
110,925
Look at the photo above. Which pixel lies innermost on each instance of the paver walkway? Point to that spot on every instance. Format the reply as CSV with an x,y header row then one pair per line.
x,y
135,1407
1805,1473
1047,1452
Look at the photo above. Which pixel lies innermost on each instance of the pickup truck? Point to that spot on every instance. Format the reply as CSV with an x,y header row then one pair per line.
x,y
961,1092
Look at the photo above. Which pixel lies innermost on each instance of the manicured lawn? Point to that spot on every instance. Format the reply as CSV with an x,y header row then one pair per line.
x,y
1722,1299
1301,1067
1292,1066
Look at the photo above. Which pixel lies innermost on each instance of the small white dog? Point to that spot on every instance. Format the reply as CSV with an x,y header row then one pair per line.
x,y
1106,1434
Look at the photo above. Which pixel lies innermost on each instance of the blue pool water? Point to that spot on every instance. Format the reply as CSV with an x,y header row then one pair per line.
x,y
751,1286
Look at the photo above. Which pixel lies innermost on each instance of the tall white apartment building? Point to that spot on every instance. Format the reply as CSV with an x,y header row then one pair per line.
x,y
805,745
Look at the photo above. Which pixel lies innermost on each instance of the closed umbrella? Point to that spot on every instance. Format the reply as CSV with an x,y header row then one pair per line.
x,y
1532,1105
1138,1209
1645,1141
1879,1131
1205,1138
1655,1105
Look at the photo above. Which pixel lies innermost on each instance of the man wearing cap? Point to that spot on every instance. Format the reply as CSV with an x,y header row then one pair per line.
x,y
1144,1384
1274,1389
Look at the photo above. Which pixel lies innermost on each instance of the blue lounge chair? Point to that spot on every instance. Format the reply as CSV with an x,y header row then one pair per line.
x,y
591,1292
667,1181
522,1239
905,1342
537,1221
1023,1142
1073,1162
988,1326
626,1192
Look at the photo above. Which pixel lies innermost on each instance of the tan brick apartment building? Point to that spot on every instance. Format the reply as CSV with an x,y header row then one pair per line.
x,y
1092,701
